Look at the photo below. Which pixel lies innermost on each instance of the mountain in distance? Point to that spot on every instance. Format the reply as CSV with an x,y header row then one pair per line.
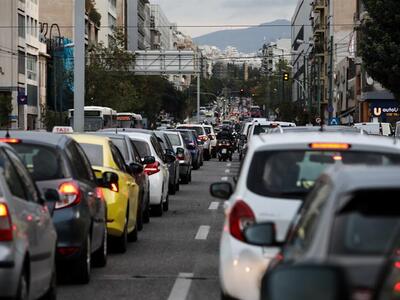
x,y
247,40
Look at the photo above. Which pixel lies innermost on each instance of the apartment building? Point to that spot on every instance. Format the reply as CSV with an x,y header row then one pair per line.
x,y
22,62
273,53
138,25
161,27
108,11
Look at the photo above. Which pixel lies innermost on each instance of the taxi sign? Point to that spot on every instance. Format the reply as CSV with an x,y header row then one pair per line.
x,y
62,129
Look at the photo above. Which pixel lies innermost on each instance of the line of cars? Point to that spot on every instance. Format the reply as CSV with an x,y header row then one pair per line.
x,y
312,216
67,199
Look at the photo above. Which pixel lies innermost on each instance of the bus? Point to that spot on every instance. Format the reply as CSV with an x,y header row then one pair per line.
x,y
129,120
96,118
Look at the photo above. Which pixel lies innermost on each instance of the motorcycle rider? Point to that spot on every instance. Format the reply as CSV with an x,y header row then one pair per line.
x,y
226,134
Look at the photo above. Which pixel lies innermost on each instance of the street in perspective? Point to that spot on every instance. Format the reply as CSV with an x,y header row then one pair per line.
x,y
191,150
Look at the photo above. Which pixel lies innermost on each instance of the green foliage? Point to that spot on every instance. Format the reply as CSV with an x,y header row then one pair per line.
x,y
5,110
380,41
94,15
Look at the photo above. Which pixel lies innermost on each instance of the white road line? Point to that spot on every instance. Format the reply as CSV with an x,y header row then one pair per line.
x,y
213,205
228,165
227,171
202,233
224,178
181,287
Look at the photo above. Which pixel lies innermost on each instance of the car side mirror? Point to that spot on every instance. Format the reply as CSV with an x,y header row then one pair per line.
x,y
169,151
263,234
169,158
51,195
305,282
136,168
110,181
148,160
191,146
221,190
180,151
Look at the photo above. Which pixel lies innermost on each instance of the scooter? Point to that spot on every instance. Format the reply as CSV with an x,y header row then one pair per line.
x,y
224,150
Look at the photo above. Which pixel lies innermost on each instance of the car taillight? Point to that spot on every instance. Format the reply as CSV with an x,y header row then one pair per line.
x,y
152,168
203,138
240,217
70,194
180,156
6,231
99,193
10,140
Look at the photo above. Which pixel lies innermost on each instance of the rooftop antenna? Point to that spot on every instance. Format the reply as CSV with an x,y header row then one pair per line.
x,y
8,130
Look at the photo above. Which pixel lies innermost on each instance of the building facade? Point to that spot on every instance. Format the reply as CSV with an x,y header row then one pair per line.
x,y
138,24
22,62
161,27
273,53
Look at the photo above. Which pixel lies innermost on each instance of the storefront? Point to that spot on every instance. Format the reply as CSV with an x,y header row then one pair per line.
x,y
383,107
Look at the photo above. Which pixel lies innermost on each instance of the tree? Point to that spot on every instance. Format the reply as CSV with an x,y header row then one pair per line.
x,y
380,43
5,110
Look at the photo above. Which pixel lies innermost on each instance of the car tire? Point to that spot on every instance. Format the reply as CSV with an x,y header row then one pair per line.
x,y
82,267
100,256
172,189
133,236
139,218
157,210
121,242
23,288
166,204
146,217
51,293
177,186
185,178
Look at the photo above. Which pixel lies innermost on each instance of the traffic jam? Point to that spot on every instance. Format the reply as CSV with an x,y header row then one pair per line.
x,y
310,214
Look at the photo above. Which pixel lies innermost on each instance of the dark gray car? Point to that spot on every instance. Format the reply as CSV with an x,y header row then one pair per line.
x,y
58,162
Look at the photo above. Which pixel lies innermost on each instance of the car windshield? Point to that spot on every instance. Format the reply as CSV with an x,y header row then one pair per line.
x,y
261,129
291,174
44,163
143,148
121,145
94,153
359,225
199,130
174,138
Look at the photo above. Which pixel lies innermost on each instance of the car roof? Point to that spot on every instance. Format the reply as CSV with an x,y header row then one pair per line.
x,y
189,125
120,130
109,135
38,137
90,138
318,128
305,138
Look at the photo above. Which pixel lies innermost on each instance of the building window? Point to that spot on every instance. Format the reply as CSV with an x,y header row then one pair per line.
x,y
31,67
21,26
21,62
111,41
32,95
112,22
113,3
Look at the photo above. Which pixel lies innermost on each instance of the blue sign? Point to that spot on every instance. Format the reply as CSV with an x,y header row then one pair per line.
x,y
334,121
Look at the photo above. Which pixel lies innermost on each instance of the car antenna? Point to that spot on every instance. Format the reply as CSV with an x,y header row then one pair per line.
x,y
8,130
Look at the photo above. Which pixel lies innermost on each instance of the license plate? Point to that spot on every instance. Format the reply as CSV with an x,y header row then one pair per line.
x,y
223,151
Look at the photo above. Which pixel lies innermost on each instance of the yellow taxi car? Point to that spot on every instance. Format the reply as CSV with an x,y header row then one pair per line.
x,y
122,196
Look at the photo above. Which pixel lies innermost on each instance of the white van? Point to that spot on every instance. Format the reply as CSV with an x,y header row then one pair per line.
x,y
384,129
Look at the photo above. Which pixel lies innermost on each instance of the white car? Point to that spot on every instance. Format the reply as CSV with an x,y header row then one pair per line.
x,y
158,172
277,173
262,125
201,137
213,139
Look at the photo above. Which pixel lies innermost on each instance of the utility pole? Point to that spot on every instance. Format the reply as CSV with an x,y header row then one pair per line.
x,y
330,102
79,66
319,87
198,98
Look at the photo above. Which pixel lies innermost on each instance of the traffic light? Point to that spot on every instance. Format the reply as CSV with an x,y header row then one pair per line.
x,y
241,92
285,76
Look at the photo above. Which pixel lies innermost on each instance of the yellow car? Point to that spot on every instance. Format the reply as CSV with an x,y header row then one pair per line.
x,y
122,196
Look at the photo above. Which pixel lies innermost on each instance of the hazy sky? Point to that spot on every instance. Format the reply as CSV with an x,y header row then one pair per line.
x,y
218,12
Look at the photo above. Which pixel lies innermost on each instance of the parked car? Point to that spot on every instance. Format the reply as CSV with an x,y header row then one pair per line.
x,y
202,137
276,175
57,162
28,239
133,159
213,139
343,222
173,167
183,155
123,196
192,145
148,145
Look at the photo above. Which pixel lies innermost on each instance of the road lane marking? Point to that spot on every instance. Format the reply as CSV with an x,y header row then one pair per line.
x,y
213,206
181,287
228,165
202,233
227,171
224,178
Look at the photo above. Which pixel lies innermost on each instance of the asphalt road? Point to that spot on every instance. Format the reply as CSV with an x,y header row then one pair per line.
x,y
175,257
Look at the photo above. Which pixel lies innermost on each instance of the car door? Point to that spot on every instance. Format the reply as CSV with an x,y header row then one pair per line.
x,y
163,165
35,217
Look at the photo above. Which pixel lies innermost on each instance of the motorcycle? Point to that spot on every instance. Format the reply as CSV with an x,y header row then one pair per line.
x,y
224,150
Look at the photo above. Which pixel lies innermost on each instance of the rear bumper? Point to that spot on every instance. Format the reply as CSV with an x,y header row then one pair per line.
x,y
156,188
184,169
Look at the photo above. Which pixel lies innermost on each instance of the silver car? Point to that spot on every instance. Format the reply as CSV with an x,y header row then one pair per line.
x,y
27,235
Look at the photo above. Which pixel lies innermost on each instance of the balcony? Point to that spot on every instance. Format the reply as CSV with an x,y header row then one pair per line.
x,y
319,5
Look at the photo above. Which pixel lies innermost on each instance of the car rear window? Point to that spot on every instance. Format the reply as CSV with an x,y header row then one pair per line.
x,y
359,225
174,138
291,174
121,145
198,129
208,130
44,163
94,153
143,148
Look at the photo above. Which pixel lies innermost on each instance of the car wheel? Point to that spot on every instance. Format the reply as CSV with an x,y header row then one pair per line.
x,y
172,189
133,236
230,158
157,210
81,268
226,297
51,293
23,288
190,176
139,218
166,204
100,256
146,217
121,242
